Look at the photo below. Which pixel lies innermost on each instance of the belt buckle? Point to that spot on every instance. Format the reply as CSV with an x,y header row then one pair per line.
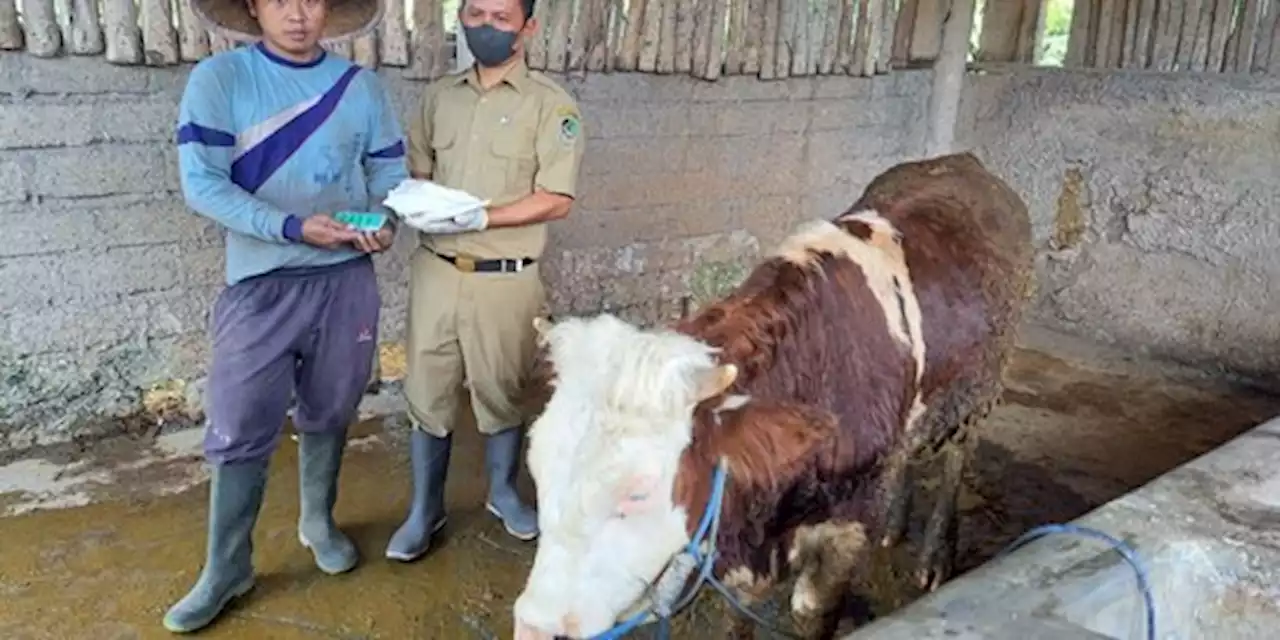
x,y
465,264
517,265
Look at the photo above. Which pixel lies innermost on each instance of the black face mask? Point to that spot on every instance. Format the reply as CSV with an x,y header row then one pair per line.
x,y
491,46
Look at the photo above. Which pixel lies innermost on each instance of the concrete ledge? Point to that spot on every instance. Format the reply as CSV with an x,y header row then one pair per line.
x,y
1208,534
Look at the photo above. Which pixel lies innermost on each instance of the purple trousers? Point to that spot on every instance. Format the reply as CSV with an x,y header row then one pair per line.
x,y
310,331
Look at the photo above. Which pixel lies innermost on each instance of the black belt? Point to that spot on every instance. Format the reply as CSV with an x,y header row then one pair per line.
x,y
498,265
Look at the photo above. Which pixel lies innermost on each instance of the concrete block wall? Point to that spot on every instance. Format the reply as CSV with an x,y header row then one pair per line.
x,y
106,279
1154,204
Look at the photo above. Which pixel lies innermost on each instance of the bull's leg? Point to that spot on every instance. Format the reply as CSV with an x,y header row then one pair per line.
x,y
937,553
825,557
895,495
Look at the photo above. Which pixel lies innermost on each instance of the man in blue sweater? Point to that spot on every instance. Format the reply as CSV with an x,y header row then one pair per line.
x,y
274,138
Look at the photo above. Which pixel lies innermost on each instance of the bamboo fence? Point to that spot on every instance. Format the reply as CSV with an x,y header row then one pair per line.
x,y
703,38
1219,36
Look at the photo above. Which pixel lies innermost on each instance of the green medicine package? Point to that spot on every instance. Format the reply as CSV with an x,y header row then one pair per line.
x,y
362,221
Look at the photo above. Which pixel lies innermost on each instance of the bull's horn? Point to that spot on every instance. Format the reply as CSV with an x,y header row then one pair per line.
x,y
717,381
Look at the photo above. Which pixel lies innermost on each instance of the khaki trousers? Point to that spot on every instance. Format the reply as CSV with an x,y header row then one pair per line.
x,y
472,329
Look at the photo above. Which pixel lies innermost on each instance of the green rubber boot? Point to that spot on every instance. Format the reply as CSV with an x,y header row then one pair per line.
x,y
235,497
319,461
429,462
502,455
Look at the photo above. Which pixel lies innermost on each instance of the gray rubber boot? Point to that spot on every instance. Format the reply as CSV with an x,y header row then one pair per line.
x,y
502,455
319,461
429,462
235,497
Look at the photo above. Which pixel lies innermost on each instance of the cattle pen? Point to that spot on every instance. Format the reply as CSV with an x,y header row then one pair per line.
x,y
1141,133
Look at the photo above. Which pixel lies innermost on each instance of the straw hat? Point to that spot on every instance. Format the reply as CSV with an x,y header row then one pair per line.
x,y
347,18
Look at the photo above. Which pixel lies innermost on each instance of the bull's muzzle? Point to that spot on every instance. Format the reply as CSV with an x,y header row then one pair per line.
x,y
525,631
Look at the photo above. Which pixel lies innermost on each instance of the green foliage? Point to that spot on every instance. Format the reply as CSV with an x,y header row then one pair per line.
x,y
1057,28
1057,17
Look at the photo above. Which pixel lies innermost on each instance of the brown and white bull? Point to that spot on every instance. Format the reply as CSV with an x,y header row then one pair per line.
x,y
860,343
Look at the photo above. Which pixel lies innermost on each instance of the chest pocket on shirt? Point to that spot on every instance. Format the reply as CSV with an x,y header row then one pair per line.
x,y
515,151
444,141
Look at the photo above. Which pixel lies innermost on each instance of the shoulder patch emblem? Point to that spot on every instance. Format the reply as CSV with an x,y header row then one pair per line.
x,y
570,124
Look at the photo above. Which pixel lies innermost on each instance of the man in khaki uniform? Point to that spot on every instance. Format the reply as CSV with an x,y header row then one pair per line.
x,y
511,136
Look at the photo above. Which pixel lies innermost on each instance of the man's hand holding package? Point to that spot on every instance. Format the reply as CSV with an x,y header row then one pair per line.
x,y
474,220
437,210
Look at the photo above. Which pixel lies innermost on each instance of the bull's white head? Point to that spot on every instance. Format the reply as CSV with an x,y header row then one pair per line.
x,y
604,456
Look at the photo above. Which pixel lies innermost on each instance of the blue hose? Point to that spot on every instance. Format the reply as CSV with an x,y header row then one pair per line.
x,y
1127,552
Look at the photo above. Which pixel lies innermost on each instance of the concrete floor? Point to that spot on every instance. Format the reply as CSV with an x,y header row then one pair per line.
x,y
96,544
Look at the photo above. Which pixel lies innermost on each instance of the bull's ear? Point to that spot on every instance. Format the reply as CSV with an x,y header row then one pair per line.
x,y
716,381
543,327
638,494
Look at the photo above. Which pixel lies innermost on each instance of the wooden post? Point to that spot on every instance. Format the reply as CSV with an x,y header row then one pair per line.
x,y
535,46
1273,59
786,29
888,31
831,33
701,36
124,39
1200,52
926,31
558,35
426,42
10,31
666,46
799,46
1030,29
1241,58
862,39
736,47
159,41
1106,23
769,39
599,33
686,14
948,79
193,40
844,41
1138,33
1009,31
901,32
629,51
1079,52
715,54
393,35
1221,29
652,34
40,26
591,37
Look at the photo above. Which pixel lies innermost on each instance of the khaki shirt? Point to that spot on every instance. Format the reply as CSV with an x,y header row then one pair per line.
x,y
499,145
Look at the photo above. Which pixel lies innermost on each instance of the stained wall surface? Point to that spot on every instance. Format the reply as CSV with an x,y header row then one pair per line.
x,y
1154,198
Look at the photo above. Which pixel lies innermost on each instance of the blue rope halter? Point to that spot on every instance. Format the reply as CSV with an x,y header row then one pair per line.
x,y
701,550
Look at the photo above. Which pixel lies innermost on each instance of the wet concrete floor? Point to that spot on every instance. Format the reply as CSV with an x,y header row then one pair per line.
x,y
96,544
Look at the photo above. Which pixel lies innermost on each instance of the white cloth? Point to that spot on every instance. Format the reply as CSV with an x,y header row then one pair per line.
x,y
422,203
